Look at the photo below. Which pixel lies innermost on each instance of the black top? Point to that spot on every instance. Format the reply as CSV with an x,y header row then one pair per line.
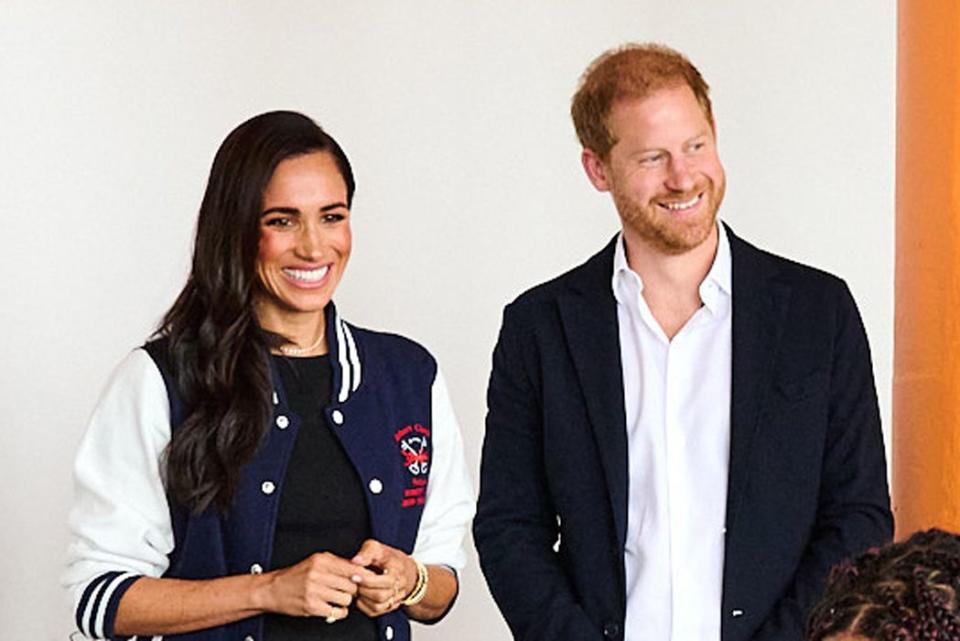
x,y
322,506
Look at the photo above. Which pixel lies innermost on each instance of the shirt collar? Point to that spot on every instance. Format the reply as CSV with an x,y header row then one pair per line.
x,y
715,290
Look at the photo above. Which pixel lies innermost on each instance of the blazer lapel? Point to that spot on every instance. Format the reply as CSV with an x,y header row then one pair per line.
x,y
589,315
759,311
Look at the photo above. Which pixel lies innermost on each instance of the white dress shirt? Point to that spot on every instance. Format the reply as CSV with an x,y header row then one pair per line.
x,y
677,402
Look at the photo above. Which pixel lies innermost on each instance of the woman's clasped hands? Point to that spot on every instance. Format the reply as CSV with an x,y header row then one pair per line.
x,y
378,578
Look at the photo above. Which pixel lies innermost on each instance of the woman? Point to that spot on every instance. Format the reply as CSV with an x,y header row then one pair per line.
x,y
908,591
262,456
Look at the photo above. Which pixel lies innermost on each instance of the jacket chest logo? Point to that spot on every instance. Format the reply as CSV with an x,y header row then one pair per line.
x,y
413,442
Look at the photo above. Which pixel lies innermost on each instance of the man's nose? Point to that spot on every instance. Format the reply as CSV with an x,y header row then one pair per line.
x,y
680,176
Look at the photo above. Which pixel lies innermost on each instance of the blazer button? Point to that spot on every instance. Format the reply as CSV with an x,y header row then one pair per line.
x,y
376,486
611,630
267,487
283,422
337,417
256,568
388,633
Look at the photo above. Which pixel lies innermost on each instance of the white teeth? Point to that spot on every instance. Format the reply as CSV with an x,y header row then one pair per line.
x,y
685,205
310,276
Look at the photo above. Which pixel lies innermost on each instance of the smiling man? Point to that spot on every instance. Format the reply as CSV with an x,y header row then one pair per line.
x,y
682,433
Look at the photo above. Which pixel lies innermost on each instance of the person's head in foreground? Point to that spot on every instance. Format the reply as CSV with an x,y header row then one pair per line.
x,y
902,592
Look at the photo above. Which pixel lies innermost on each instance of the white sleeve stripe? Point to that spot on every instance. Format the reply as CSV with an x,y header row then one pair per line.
x,y
344,365
93,600
98,630
87,617
354,358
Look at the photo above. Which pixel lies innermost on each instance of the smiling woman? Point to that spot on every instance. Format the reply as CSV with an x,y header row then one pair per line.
x,y
304,246
263,469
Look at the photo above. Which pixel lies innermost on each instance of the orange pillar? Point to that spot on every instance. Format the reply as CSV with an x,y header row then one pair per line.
x,y
926,381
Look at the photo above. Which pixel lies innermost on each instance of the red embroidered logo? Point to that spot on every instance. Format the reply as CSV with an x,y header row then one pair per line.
x,y
414,442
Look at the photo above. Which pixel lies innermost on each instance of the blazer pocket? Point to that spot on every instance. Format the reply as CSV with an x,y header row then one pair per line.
x,y
805,386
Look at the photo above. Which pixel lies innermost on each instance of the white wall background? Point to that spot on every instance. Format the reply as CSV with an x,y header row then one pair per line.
x,y
455,117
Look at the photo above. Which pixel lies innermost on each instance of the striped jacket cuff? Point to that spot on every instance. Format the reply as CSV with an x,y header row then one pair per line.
x,y
98,605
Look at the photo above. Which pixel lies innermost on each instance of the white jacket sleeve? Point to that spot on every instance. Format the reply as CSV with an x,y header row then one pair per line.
x,y
450,500
120,522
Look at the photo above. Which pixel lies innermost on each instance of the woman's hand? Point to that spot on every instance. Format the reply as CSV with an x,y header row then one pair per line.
x,y
393,576
322,585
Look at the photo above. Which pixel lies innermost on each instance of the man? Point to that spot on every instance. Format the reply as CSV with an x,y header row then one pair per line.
x,y
683,434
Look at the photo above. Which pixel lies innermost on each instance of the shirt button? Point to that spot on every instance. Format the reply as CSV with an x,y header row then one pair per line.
x,y
267,487
388,632
611,630
256,568
276,400
283,422
337,417
376,486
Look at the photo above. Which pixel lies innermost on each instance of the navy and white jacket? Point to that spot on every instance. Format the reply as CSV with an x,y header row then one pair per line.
x,y
391,411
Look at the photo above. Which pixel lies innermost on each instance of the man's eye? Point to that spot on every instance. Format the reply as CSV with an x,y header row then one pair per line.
x,y
333,218
651,160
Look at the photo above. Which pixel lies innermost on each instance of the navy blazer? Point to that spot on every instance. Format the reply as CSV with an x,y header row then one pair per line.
x,y
807,475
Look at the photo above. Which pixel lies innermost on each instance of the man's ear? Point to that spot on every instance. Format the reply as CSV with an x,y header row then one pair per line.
x,y
595,168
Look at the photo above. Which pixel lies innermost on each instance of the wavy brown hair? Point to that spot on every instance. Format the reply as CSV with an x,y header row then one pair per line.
x,y
903,592
215,346
628,72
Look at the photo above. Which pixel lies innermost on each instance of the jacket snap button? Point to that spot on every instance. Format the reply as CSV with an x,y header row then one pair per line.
x,y
267,487
337,417
256,568
376,486
283,422
611,630
388,633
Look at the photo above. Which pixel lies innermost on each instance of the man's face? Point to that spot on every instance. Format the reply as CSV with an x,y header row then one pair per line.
x,y
663,172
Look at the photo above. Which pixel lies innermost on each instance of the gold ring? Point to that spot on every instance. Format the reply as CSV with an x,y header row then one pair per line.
x,y
332,617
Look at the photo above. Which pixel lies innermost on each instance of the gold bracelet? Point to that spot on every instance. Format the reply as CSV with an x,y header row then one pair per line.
x,y
420,588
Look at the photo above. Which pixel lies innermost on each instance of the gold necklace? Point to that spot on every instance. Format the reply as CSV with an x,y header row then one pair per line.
x,y
296,350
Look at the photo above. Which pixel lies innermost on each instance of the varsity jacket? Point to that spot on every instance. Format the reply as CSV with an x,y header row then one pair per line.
x,y
391,412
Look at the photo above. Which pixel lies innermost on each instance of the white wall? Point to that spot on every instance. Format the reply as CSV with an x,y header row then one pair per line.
x,y
455,118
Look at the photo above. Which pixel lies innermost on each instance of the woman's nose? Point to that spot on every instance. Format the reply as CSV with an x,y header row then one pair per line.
x,y
310,242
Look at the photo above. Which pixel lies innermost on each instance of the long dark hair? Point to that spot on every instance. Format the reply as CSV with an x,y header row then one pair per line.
x,y
907,591
216,348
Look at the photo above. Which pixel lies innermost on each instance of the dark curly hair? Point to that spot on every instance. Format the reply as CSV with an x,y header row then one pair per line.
x,y
905,591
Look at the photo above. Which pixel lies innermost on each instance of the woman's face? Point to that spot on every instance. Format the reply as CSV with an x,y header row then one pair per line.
x,y
304,239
